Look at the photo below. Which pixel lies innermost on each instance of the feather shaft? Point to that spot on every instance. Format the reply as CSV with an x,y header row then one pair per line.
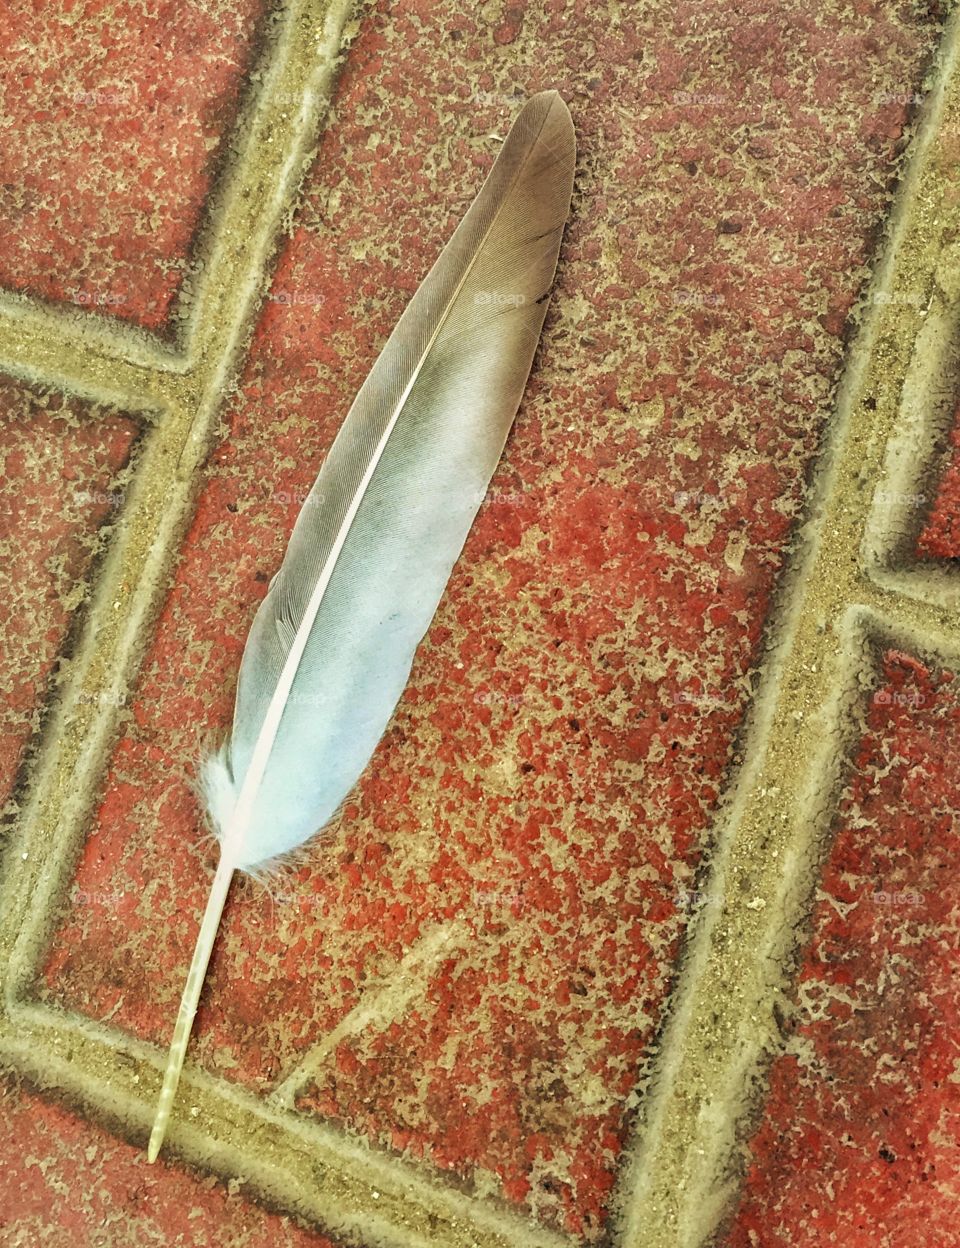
x,y
188,1003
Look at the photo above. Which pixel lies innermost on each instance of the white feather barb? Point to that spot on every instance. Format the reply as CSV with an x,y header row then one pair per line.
x,y
331,646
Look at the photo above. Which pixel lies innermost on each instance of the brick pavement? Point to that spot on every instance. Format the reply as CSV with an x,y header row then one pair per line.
x,y
635,707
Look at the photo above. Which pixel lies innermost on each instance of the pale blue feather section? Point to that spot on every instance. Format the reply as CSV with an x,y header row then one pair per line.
x,y
446,389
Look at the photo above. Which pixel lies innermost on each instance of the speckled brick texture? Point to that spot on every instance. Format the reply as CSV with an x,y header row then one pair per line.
x,y
113,122
940,537
544,789
62,477
67,1181
861,1141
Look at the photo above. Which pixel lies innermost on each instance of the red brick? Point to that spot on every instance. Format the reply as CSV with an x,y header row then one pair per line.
x,y
58,490
940,538
114,117
860,1143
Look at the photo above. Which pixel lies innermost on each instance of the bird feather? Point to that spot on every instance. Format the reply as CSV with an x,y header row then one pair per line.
x,y
331,646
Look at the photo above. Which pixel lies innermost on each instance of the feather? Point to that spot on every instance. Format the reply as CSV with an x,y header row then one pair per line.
x,y
331,646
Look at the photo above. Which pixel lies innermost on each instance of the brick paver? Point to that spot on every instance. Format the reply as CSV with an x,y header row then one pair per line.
x,y
60,491
113,124
940,535
68,1181
861,1141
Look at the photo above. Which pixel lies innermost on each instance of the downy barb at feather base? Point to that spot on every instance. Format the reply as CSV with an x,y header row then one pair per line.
x,y
331,646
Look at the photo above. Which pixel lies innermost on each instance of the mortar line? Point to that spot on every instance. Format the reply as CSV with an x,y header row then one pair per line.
x,y
932,592
304,1165
43,347
927,627
927,411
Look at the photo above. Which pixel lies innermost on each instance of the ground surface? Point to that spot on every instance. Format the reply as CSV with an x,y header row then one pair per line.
x,y
462,995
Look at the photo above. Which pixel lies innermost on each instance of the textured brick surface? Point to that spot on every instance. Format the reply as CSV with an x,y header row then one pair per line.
x,y
555,762
113,121
940,537
861,1140
66,1181
58,491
